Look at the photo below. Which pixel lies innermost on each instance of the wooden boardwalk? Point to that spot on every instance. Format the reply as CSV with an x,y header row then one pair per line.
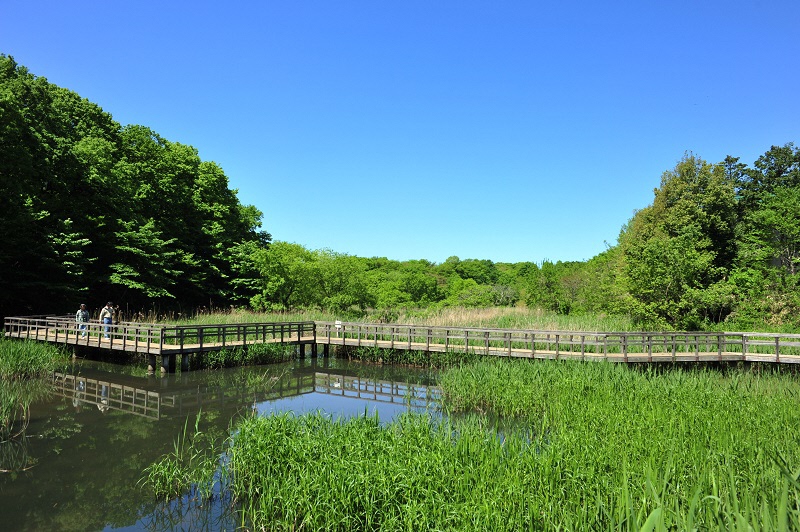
x,y
171,341
669,347
167,342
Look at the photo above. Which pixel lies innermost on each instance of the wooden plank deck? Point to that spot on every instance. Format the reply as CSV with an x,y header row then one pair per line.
x,y
168,341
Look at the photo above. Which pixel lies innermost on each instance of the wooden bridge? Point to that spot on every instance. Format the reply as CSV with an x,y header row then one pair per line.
x,y
171,341
167,342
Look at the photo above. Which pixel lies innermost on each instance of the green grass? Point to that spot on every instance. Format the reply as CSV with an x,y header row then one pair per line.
x,y
595,446
536,445
694,446
254,354
404,357
23,364
24,359
189,468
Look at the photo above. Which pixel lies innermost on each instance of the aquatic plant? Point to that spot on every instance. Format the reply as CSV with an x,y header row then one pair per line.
x,y
24,359
404,357
250,355
189,469
559,445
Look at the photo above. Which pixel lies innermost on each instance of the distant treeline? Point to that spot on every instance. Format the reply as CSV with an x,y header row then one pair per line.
x,y
92,210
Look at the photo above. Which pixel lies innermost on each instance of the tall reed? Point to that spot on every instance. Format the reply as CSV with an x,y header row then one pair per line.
x,y
25,359
595,447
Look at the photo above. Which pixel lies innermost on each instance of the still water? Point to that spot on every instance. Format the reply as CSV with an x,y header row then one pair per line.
x,y
79,463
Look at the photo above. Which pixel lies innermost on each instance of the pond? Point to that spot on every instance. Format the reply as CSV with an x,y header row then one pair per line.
x,y
79,463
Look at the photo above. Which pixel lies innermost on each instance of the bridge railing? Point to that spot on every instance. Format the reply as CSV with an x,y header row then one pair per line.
x,y
623,346
195,337
140,337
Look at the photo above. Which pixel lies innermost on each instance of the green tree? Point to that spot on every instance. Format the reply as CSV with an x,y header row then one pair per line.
x,y
682,244
288,277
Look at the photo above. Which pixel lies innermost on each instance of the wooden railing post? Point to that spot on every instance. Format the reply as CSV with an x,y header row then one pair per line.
x,y
625,347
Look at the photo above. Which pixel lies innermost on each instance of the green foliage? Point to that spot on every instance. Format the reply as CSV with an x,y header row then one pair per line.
x,y
93,209
680,245
251,355
406,357
97,210
24,359
595,446
189,468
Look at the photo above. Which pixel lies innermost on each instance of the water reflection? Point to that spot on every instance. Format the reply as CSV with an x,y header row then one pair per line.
x,y
93,431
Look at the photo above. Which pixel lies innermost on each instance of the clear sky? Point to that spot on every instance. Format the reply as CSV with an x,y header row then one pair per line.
x,y
502,130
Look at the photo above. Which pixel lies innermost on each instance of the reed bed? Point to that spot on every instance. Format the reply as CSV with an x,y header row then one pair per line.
x,y
492,317
28,359
404,357
693,447
594,447
254,354
515,318
246,316
22,366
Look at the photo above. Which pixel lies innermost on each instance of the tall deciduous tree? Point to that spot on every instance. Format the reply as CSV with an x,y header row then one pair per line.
x,y
682,243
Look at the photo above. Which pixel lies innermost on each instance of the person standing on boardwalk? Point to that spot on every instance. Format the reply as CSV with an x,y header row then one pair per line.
x,y
82,318
107,317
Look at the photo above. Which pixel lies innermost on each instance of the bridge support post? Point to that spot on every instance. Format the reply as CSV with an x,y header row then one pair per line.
x,y
167,364
326,350
151,364
184,362
314,350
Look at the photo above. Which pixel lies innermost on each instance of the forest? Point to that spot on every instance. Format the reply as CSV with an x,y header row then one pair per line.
x,y
94,210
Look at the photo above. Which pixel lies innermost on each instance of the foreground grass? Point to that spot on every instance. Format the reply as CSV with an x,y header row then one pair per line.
x,y
593,446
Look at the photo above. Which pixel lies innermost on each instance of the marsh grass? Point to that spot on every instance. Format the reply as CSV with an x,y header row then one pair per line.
x,y
492,317
250,355
595,447
514,318
23,364
532,445
190,469
16,397
26,359
404,357
683,447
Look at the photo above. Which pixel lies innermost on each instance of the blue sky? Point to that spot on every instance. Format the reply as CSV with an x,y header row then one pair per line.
x,y
510,131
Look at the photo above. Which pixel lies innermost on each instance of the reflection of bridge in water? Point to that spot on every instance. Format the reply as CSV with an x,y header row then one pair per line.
x,y
416,395
107,395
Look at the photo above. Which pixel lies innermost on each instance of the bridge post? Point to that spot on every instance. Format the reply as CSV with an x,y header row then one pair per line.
x,y
184,362
168,363
326,350
151,363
